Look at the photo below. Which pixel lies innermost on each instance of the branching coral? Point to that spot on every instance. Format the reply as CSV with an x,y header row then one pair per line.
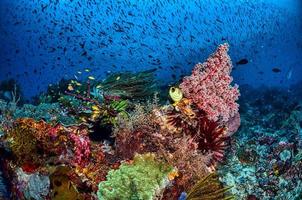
x,y
143,179
209,86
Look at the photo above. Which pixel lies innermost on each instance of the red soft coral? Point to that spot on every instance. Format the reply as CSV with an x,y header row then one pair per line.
x,y
209,86
81,148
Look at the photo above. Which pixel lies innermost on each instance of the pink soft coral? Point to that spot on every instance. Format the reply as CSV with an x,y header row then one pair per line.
x,y
81,148
209,86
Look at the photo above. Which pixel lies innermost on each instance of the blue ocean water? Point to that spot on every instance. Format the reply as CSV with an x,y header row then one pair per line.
x,y
43,42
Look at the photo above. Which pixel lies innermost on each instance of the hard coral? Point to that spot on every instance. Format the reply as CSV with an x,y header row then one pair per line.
x,y
209,86
62,187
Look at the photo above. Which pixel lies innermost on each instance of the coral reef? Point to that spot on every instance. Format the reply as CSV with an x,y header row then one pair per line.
x,y
110,140
265,162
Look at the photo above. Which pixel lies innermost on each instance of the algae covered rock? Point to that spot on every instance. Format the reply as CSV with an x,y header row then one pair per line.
x,y
142,179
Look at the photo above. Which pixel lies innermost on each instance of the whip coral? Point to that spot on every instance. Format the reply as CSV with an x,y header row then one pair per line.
x,y
209,86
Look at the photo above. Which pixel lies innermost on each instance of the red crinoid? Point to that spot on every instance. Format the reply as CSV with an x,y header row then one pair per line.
x,y
179,121
211,138
182,122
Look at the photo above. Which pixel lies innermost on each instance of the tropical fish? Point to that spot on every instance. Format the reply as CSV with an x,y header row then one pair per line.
x,y
175,94
242,62
276,70
289,74
77,83
91,78
70,87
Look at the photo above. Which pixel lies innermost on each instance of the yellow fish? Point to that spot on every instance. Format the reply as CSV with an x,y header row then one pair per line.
x,y
175,94
98,87
70,88
91,78
96,108
172,175
87,70
78,84
79,72
118,78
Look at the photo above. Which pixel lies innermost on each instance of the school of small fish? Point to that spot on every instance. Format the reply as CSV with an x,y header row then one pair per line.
x,y
43,41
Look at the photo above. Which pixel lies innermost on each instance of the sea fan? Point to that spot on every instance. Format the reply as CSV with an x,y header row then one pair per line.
x,y
211,138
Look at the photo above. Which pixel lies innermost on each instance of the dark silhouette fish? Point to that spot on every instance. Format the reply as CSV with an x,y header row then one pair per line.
x,y
276,70
242,62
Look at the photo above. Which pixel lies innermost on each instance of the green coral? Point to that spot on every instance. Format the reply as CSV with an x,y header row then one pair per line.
x,y
141,180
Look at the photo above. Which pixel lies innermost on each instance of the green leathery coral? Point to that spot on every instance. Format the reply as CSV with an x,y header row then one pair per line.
x,y
142,179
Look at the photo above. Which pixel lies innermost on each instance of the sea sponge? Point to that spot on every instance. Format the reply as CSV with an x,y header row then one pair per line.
x,y
144,178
